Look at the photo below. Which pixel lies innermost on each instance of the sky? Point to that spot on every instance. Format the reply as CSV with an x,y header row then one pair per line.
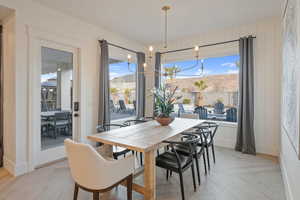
x,y
212,66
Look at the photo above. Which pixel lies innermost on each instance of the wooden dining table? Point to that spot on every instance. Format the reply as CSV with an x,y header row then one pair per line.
x,y
146,138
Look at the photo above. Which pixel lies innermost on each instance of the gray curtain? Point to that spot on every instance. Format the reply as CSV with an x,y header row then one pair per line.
x,y
157,69
1,102
245,132
140,85
104,97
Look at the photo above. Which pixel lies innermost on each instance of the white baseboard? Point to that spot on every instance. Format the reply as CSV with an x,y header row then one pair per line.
x,y
13,169
288,191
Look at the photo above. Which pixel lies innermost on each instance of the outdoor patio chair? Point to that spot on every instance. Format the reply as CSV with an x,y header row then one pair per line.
x,y
122,106
61,122
231,115
219,108
112,107
201,111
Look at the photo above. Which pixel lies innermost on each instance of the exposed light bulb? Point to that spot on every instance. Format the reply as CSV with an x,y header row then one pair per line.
x,y
145,65
196,48
128,56
151,48
58,69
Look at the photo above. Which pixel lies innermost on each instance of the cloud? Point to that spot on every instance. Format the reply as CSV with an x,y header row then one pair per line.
x,y
205,72
232,71
229,64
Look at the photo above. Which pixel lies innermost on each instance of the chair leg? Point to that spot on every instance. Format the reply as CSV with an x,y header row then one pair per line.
x,y
204,162
167,175
198,169
181,185
213,152
129,187
96,196
75,192
193,174
207,155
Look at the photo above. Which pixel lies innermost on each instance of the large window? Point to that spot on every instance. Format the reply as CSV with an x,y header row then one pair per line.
x,y
122,89
209,89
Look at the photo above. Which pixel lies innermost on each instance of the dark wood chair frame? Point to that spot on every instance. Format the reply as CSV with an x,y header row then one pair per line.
x,y
197,154
96,193
208,131
190,140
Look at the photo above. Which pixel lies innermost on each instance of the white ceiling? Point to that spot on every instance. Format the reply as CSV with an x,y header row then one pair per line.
x,y
142,20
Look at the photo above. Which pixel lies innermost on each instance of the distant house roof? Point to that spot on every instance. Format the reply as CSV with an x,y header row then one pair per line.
x,y
48,84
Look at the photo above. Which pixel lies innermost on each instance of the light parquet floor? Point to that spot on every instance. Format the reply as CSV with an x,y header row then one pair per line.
x,y
235,176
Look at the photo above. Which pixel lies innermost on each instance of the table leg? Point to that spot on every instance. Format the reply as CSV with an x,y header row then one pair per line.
x,y
150,176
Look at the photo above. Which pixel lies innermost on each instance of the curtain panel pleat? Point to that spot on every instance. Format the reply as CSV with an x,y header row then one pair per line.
x,y
1,102
245,131
104,96
140,85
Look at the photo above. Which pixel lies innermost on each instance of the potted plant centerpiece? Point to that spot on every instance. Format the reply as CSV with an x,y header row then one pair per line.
x,y
165,98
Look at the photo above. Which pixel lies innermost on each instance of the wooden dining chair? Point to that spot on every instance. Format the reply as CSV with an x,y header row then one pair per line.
x,y
208,132
92,173
199,152
172,161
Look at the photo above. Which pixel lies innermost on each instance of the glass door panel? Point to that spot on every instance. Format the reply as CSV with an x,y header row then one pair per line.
x,y
56,97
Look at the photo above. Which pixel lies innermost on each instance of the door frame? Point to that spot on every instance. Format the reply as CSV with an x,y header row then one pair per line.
x,y
38,38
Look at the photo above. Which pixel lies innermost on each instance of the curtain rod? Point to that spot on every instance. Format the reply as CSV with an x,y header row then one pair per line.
x,y
206,45
120,47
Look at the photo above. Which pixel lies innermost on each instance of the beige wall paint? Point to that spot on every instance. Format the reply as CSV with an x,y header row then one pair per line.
x,y
36,17
267,77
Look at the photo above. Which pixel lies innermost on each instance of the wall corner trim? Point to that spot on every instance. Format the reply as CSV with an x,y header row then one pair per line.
x,y
287,188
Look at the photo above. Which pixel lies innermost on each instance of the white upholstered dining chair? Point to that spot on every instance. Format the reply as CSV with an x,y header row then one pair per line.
x,y
93,173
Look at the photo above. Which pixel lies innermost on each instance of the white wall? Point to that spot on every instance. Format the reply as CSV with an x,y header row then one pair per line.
x,y
36,17
9,109
289,160
267,76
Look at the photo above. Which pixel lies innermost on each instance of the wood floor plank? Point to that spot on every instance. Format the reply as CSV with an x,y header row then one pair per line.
x,y
235,176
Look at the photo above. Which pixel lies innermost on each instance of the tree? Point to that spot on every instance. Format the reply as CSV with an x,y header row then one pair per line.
x,y
171,72
201,85
114,93
127,94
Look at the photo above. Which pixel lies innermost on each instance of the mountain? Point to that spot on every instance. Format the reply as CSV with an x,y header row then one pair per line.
x,y
124,79
215,83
